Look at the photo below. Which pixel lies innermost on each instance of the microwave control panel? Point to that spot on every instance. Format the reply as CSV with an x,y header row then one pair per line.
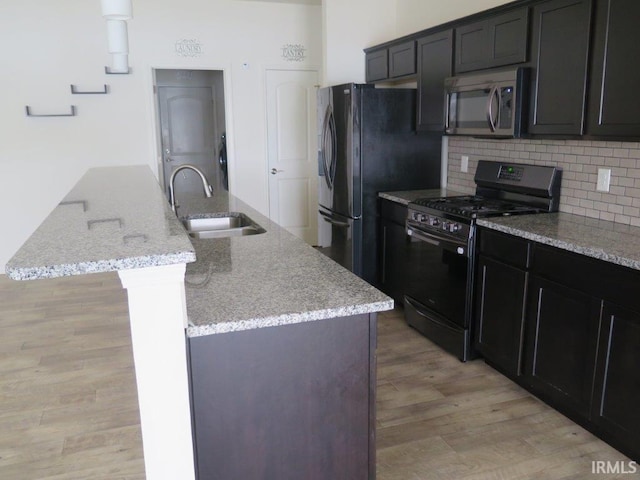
x,y
506,107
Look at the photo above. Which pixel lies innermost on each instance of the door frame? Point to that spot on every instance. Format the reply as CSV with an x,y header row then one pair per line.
x,y
156,130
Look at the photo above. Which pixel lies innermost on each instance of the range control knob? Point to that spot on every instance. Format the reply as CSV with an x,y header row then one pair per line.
x,y
434,221
423,218
453,227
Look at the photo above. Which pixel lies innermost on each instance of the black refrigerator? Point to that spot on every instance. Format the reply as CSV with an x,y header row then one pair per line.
x,y
367,143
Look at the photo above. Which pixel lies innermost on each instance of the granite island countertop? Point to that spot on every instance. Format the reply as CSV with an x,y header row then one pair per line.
x,y
114,218
612,242
117,218
264,280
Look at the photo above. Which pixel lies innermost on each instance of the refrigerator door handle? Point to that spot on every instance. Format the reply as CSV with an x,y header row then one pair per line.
x,y
328,148
328,218
334,147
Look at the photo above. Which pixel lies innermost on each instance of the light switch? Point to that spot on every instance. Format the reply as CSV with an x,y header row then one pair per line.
x,y
464,164
604,179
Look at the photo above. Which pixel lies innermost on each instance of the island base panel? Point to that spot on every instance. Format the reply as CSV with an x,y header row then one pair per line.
x,y
288,402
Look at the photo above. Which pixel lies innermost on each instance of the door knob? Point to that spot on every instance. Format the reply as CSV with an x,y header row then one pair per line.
x,y
275,171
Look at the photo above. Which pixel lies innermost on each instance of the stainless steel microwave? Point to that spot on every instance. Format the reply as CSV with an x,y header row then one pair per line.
x,y
486,104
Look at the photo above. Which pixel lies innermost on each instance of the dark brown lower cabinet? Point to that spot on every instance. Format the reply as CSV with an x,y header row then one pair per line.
x,y
617,380
286,402
578,345
560,346
500,314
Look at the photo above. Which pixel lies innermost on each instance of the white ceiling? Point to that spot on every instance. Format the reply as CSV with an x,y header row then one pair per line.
x,y
304,2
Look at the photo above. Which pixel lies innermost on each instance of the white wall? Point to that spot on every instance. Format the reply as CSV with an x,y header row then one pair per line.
x,y
50,45
348,28
416,15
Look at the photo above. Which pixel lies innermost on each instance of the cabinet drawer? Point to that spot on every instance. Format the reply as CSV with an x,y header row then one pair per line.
x,y
506,248
595,277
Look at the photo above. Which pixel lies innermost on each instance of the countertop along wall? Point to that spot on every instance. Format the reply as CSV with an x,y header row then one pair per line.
x,y
579,159
50,45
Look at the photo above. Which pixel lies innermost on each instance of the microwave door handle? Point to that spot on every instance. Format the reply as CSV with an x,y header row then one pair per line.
x,y
447,111
490,118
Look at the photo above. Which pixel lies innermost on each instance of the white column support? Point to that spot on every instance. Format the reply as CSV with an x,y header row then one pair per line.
x,y
158,317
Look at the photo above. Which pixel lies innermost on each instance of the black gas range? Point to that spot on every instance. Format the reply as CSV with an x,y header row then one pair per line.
x,y
439,292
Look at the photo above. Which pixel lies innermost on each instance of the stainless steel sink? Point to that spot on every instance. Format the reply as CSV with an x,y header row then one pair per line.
x,y
232,224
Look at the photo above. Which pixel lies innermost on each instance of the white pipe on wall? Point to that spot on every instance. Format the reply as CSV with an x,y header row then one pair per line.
x,y
117,37
117,12
117,9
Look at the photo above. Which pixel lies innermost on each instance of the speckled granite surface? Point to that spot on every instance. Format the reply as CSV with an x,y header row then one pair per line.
x,y
409,196
115,218
265,280
118,218
608,241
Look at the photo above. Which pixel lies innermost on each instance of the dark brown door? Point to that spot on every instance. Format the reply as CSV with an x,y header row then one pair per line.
x,y
614,106
435,63
560,47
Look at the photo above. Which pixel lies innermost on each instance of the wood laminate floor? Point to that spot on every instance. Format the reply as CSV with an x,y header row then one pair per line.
x,y
68,405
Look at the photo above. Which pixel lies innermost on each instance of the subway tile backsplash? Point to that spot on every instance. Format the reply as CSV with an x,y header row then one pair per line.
x,y
579,159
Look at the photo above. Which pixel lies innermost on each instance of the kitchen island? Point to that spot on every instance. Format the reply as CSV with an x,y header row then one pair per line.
x,y
282,339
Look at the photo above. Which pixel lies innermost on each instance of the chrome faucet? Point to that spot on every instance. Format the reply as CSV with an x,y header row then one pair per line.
x,y
208,189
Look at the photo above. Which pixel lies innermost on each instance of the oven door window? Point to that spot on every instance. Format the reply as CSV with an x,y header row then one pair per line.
x,y
437,278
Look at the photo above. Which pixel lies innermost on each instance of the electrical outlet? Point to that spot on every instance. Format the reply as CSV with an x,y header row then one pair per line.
x,y
464,164
604,179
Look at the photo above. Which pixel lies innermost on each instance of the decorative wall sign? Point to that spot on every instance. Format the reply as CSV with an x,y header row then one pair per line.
x,y
189,48
293,52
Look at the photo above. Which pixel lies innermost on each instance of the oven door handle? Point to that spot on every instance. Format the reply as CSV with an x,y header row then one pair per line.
x,y
459,247
419,311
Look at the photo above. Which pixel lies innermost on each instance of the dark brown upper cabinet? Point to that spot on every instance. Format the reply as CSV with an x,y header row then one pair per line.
x,y
435,63
493,42
560,49
377,65
392,63
614,107
402,59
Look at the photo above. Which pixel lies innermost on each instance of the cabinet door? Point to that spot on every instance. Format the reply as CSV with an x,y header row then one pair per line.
x,y
560,46
560,347
617,380
377,66
435,63
402,59
614,107
472,52
500,298
394,247
508,34
493,42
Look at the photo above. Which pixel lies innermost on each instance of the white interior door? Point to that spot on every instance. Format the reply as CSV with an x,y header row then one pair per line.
x,y
291,138
188,129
